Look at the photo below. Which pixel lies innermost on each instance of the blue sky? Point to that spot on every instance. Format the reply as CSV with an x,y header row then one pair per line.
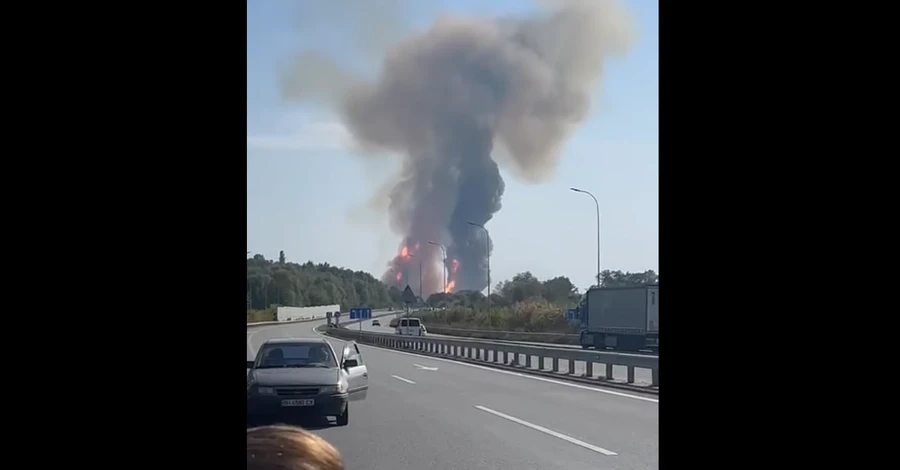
x,y
307,193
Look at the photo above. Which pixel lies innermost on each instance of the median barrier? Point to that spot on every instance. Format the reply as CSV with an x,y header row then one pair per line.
x,y
530,358
526,336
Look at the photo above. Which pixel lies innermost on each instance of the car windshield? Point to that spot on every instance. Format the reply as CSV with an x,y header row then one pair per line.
x,y
296,355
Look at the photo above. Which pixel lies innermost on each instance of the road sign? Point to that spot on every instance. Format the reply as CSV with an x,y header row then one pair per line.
x,y
408,295
360,313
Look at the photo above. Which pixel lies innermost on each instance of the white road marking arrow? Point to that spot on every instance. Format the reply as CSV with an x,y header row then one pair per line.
x,y
424,367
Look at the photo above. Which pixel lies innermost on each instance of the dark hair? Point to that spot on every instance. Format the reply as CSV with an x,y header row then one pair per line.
x,y
289,448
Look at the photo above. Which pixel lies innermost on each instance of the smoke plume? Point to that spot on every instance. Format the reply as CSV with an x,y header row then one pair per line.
x,y
448,98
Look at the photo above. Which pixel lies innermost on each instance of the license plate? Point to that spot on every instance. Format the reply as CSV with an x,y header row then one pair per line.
x,y
300,402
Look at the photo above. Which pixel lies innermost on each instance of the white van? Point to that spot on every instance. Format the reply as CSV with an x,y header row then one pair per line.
x,y
410,327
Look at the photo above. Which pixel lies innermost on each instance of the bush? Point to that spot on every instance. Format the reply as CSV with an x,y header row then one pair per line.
x,y
533,315
268,314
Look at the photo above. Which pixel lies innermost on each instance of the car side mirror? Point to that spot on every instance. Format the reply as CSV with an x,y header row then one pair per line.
x,y
348,363
250,364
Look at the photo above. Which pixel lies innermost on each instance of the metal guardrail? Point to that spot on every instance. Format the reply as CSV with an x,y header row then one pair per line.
x,y
512,354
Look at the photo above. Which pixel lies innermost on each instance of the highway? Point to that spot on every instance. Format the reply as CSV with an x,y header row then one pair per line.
x,y
641,376
424,412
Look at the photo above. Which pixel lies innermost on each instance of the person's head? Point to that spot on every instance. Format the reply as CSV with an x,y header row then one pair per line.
x,y
289,448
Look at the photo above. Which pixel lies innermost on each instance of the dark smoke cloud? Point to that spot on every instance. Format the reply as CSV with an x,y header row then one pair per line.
x,y
446,97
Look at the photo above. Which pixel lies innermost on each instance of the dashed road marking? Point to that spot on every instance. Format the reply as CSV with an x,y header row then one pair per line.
x,y
544,430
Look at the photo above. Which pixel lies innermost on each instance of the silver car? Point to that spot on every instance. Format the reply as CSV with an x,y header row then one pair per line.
x,y
302,377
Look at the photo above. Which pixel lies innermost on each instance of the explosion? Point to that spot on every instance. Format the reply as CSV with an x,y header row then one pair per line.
x,y
444,99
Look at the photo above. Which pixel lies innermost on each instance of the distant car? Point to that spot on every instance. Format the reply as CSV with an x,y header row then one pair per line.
x,y
375,322
302,377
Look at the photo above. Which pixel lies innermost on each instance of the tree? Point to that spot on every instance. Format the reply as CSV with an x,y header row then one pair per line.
x,y
523,303
560,290
309,284
626,279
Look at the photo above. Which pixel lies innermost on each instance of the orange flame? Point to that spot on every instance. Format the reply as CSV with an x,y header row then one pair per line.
x,y
399,276
404,252
450,286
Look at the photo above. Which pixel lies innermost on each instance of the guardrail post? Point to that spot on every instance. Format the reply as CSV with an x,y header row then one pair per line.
x,y
481,350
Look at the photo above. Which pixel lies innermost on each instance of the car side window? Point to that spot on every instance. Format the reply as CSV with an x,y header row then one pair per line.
x,y
358,354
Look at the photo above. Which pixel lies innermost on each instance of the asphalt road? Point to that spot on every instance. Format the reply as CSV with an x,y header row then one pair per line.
x,y
641,376
424,412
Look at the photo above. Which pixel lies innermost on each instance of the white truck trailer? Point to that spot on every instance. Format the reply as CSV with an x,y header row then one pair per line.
x,y
623,318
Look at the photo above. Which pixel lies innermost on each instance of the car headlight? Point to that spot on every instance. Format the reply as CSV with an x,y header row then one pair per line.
x,y
265,391
341,387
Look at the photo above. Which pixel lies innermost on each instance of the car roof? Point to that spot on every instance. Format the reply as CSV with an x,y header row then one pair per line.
x,y
295,341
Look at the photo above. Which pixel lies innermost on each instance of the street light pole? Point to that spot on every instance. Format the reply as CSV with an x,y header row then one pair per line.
x,y
443,263
249,298
598,228
487,244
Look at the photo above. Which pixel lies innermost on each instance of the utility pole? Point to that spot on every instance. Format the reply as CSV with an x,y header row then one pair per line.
x,y
487,244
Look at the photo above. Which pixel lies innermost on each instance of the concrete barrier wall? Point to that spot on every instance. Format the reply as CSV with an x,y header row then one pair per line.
x,y
305,313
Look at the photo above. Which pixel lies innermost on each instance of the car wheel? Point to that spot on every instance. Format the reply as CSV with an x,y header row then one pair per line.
x,y
344,418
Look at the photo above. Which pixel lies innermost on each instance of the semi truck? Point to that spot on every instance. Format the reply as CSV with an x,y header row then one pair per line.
x,y
623,318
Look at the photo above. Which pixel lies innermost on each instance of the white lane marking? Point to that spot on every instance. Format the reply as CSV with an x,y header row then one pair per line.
x,y
517,374
425,367
403,380
547,431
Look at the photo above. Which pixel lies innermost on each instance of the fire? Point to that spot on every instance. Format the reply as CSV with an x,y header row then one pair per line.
x,y
450,286
404,253
399,276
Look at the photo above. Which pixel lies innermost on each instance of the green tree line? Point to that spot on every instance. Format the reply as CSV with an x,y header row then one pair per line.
x,y
272,283
523,303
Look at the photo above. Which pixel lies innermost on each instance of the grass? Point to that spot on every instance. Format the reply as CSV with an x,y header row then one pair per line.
x,y
268,314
